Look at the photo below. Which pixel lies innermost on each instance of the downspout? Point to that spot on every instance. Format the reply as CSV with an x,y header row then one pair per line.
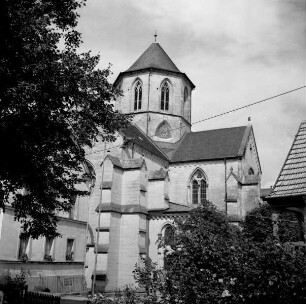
x,y
98,230
148,106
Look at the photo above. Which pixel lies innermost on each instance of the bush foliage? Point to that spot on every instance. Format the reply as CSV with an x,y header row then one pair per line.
x,y
12,287
214,261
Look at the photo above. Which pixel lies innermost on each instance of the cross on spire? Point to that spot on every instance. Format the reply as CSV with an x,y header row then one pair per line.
x,y
155,36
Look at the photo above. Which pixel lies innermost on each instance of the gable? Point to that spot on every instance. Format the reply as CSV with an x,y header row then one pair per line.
x,y
251,158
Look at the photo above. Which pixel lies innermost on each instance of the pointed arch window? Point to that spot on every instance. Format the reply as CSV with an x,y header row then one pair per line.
x,y
137,96
198,187
164,98
168,242
251,171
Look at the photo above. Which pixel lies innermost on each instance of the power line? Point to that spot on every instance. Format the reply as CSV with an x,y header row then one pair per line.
x,y
249,105
221,114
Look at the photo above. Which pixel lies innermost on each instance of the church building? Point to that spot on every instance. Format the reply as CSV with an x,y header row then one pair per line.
x,y
158,169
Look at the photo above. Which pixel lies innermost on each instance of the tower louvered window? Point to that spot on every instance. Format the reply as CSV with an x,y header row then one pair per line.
x,y
199,186
185,94
164,98
137,96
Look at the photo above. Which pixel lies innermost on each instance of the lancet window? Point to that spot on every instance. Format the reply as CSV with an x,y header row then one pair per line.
x,y
137,96
164,98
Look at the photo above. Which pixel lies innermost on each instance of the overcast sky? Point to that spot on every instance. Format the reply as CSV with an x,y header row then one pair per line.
x,y
236,52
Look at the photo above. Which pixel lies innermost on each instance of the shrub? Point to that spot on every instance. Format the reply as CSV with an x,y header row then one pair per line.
x,y
212,261
13,286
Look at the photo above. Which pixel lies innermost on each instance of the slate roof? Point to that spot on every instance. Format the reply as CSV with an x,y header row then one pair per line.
x,y
143,141
212,144
292,178
154,57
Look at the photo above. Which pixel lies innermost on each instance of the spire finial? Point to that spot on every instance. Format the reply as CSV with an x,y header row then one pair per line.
x,y
155,35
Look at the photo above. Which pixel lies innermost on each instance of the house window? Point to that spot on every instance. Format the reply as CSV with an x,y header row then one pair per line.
x,y
49,249
198,188
69,250
137,96
164,99
23,247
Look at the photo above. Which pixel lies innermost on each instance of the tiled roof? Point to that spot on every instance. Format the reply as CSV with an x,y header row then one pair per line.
x,y
143,141
292,178
212,144
154,57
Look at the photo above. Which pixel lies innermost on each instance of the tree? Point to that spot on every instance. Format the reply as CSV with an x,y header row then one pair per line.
x,y
53,103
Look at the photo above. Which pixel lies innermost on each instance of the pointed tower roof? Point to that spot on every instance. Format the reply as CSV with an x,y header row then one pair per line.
x,y
154,57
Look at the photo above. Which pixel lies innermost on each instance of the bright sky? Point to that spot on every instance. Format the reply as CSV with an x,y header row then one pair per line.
x,y
236,52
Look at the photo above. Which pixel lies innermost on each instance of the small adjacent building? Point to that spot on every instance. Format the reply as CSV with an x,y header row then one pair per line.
x,y
53,263
289,191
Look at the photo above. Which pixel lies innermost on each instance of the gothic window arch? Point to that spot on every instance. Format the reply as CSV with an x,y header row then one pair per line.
x,y
251,171
198,185
164,96
137,95
163,130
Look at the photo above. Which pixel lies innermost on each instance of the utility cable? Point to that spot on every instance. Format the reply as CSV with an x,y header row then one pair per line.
x,y
221,114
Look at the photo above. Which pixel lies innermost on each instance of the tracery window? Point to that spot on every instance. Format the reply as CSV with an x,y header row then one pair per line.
x,y
163,130
164,98
198,188
137,96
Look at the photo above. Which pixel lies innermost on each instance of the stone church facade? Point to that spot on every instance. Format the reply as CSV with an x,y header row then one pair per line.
x,y
159,169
